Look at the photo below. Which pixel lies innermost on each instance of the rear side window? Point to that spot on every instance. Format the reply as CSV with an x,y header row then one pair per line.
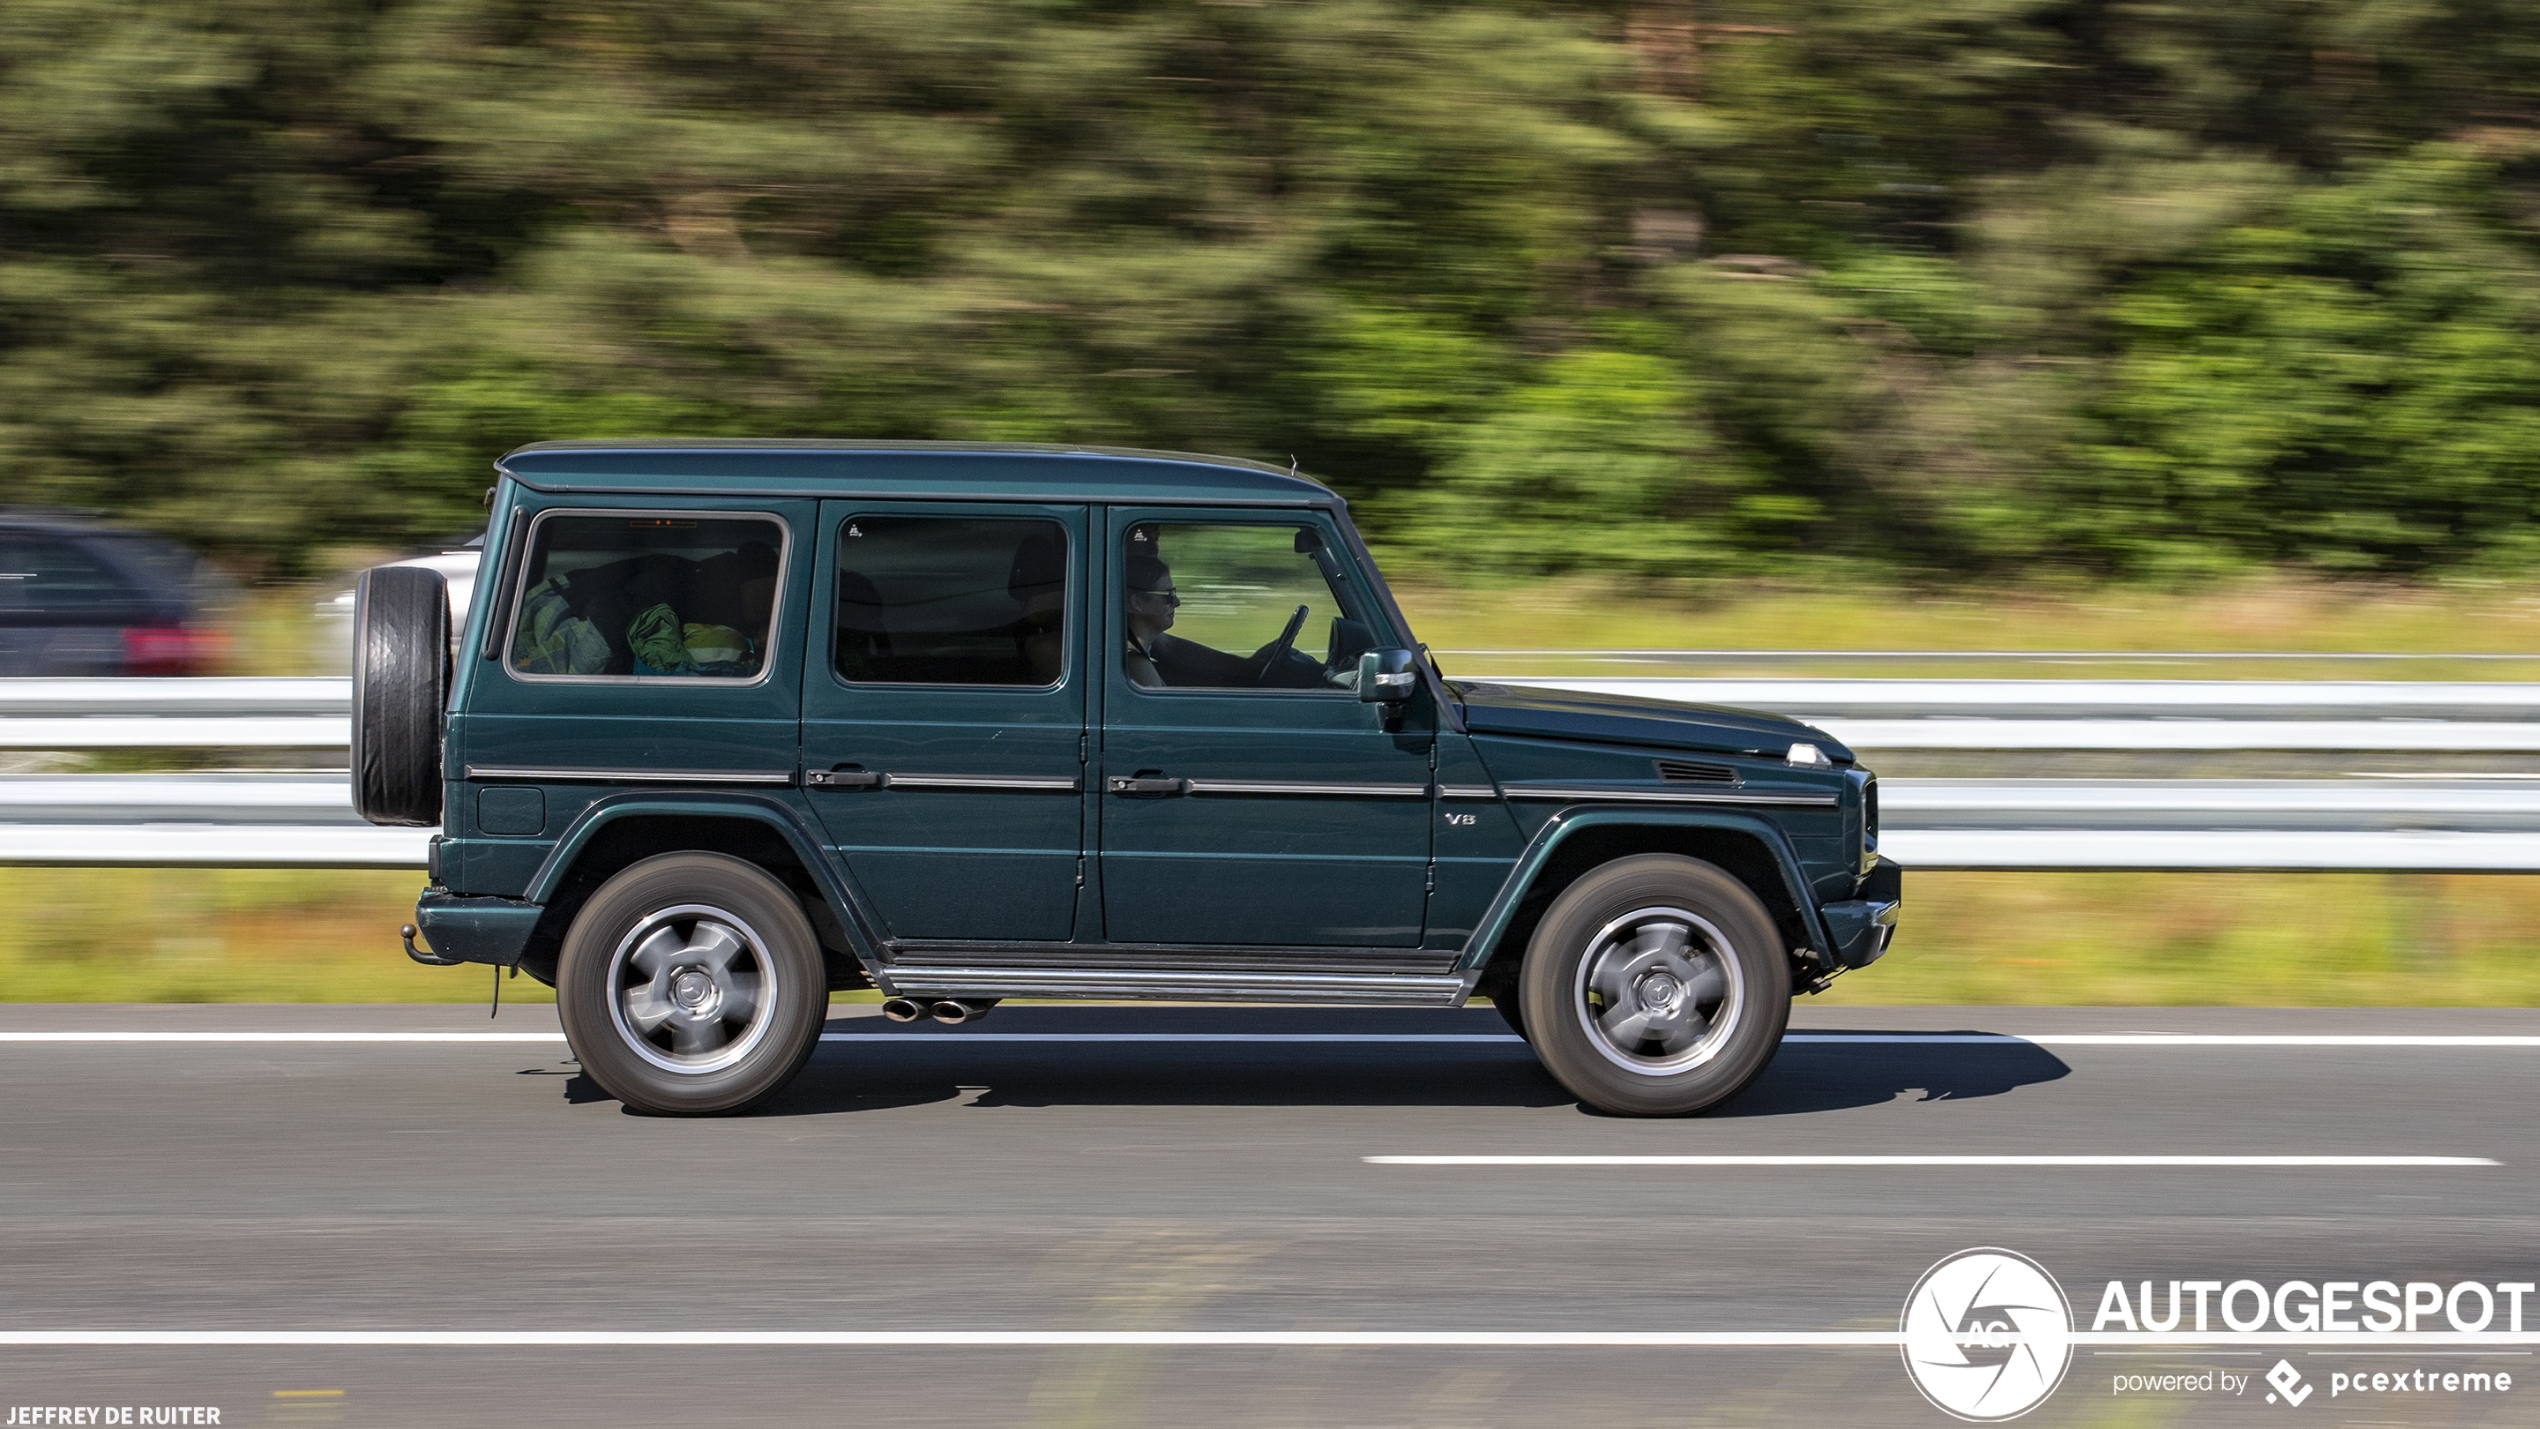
x,y
951,600
648,595
47,573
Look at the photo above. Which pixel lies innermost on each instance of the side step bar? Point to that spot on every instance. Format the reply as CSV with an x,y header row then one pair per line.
x,y
1179,985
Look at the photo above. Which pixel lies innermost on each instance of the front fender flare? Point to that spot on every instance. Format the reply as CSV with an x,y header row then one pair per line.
x,y
1567,823
837,885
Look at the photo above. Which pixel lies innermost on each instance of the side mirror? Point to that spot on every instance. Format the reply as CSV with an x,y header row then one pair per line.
x,y
1387,677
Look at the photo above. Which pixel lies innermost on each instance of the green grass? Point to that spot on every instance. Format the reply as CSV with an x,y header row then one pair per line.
x,y
2258,613
2322,940
221,935
2226,939
275,630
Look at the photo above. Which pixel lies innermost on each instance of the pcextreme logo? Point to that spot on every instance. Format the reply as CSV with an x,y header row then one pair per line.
x,y
1987,1335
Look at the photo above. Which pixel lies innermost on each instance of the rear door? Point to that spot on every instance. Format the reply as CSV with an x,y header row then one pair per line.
x,y
643,646
944,713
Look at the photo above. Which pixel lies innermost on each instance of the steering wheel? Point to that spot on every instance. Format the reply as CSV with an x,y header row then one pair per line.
x,y
1278,651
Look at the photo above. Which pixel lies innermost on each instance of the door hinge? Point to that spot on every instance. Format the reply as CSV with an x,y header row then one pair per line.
x,y
1430,884
1084,747
1080,870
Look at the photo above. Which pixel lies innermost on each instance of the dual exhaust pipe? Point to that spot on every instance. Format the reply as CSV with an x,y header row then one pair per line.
x,y
949,1009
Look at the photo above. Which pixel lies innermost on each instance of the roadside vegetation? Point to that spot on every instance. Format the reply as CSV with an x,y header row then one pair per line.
x,y
2257,940
276,630
1637,288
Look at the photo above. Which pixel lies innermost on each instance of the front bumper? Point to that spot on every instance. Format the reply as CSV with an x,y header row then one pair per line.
x,y
1861,928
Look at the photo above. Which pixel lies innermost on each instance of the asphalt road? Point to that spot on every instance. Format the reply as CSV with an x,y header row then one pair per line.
x,y
938,1181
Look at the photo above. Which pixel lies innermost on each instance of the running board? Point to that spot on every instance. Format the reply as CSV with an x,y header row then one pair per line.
x,y
1178,985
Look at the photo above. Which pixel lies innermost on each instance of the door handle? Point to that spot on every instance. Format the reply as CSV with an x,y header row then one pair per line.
x,y
1146,784
844,779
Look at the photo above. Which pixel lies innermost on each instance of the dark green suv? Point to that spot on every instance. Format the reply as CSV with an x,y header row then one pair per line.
x,y
733,724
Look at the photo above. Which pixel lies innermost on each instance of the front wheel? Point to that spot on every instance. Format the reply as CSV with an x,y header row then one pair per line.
x,y
1656,986
691,984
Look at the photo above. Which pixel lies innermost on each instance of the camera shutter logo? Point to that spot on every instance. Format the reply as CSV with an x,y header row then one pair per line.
x,y
1987,1335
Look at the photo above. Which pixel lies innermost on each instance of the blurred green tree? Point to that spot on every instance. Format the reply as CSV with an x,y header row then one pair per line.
x,y
1672,287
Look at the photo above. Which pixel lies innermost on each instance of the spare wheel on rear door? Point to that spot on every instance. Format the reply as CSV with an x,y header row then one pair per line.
x,y
401,680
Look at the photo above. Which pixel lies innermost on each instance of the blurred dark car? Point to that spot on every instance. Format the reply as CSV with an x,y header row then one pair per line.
x,y
80,598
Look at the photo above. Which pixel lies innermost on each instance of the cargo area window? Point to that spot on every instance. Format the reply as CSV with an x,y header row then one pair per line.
x,y
648,595
949,600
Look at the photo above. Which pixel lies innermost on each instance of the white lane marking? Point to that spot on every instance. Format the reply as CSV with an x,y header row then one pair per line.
x,y
281,1036
1341,1037
1930,1160
1448,1339
1767,1339
1988,1039
2202,1039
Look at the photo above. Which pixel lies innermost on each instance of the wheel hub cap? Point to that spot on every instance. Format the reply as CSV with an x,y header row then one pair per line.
x,y
691,989
1658,991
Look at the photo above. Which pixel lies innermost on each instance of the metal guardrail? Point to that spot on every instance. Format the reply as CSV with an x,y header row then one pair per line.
x,y
1962,657
2468,825
305,820
2147,715
2143,715
308,713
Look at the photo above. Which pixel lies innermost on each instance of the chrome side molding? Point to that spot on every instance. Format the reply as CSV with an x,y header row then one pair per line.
x,y
1601,794
572,775
1378,989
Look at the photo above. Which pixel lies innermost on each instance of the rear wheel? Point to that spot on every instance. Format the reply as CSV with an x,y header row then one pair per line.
x,y
691,984
1656,986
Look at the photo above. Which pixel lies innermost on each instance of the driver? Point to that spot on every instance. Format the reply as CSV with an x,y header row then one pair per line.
x,y
1155,659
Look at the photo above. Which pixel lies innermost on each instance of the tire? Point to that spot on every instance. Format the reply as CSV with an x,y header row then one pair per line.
x,y
1656,985
401,681
654,967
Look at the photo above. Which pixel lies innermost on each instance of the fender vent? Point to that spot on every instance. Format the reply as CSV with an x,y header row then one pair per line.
x,y
1684,771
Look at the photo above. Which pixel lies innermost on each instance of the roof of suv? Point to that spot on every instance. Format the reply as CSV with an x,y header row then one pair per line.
x,y
1005,471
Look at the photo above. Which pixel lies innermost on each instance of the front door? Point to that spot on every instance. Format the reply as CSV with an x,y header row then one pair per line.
x,y
1248,796
943,726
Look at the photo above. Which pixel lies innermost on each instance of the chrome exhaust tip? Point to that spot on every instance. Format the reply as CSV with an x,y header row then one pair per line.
x,y
904,1009
953,1010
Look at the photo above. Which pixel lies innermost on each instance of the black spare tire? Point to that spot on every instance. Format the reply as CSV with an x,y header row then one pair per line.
x,y
401,680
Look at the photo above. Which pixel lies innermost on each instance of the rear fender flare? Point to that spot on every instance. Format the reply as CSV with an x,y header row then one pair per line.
x,y
837,886
1568,823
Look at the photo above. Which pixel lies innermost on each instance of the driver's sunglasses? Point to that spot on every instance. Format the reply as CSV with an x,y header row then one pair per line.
x,y
1173,598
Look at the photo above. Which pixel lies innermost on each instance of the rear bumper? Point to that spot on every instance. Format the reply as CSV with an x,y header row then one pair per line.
x,y
477,930
1861,928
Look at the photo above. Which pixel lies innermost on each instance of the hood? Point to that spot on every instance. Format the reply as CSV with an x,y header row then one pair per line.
x,y
1631,719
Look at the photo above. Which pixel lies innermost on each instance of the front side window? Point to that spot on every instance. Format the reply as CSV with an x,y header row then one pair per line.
x,y
648,595
951,600
1228,606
